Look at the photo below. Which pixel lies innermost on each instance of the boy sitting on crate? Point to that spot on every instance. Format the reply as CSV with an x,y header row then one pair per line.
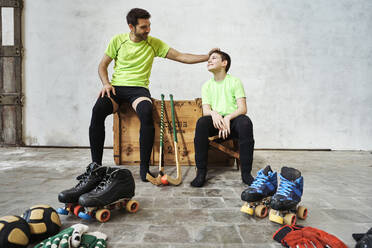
x,y
224,109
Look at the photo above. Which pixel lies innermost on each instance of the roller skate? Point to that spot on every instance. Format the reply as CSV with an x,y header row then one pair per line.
x,y
87,181
114,192
257,196
284,204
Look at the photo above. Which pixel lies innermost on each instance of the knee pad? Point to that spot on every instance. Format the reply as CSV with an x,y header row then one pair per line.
x,y
144,112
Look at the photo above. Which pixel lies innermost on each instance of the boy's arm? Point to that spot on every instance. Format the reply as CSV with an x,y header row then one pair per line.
x,y
241,110
218,121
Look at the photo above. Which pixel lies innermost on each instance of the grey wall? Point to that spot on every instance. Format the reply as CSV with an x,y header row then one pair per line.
x,y
305,65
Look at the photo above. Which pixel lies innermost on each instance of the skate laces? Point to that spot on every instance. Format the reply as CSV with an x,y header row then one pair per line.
x,y
285,186
106,181
82,178
259,180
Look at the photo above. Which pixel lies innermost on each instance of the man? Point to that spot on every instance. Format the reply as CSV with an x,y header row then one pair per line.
x,y
224,109
134,54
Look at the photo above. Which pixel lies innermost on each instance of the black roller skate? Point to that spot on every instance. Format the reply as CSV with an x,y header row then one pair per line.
x,y
284,204
257,196
114,191
87,181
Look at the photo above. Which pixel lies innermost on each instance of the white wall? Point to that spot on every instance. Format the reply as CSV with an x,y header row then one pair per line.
x,y
305,65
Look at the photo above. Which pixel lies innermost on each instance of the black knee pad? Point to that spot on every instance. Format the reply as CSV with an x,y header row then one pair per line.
x,y
144,112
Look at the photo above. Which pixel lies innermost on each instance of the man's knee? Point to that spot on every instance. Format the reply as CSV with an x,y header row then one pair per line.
x,y
144,112
103,107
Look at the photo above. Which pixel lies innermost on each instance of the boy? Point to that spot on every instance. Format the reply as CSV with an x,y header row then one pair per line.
x,y
224,109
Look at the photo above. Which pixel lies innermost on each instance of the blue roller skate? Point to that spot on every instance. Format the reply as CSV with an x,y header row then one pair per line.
x,y
257,195
284,204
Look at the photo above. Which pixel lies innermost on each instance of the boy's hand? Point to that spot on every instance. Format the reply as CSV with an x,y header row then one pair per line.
x,y
224,133
218,121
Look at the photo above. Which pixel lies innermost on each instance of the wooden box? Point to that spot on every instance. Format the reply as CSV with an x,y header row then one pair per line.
x,y
187,113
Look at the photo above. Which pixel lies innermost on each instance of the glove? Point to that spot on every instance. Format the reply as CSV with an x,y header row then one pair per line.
x,y
364,240
93,240
306,237
67,238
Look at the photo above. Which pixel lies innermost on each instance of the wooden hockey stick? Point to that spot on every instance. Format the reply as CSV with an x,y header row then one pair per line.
x,y
168,179
157,180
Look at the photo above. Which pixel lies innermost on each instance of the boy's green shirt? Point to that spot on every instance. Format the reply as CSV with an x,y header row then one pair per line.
x,y
222,96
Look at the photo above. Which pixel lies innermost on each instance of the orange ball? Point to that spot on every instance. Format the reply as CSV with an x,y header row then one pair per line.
x,y
164,180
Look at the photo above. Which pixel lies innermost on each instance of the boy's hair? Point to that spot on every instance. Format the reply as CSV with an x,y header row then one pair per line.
x,y
136,13
224,56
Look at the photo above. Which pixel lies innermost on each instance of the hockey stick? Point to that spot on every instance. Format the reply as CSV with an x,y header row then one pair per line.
x,y
168,179
157,180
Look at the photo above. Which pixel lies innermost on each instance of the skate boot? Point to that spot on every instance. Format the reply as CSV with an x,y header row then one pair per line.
x,y
87,181
115,191
286,199
257,195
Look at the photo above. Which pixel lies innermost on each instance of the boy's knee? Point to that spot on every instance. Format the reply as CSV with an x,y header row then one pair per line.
x,y
203,121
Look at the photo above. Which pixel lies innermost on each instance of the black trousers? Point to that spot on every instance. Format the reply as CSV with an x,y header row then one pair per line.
x,y
241,128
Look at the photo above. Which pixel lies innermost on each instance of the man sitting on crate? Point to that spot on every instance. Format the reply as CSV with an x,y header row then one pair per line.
x,y
134,54
224,109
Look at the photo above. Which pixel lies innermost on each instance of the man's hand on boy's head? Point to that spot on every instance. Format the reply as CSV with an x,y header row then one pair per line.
x,y
213,50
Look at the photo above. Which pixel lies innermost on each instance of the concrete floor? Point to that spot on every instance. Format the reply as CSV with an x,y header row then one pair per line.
x,y
337,192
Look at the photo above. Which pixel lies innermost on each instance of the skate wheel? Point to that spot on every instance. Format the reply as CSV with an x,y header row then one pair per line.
x,y
290,219
103,215
246,209
164,180
77,210
62,211
85,216
132,206
275,217
261,211
302,212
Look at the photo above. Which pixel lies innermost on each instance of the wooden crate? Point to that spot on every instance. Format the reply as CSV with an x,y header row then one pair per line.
x,y
187,113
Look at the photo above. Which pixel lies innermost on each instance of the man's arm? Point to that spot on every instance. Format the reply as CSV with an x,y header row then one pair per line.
x,y
103,74
187,58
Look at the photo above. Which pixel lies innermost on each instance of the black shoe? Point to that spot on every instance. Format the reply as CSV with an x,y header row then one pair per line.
x,y
117,184
199,180
87,181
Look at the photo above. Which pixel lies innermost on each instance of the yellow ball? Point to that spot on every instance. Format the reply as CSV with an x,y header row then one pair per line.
x,y
43,220
14,232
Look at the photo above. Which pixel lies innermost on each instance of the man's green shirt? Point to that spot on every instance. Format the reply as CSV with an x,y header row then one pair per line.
x,y
222,96
133,60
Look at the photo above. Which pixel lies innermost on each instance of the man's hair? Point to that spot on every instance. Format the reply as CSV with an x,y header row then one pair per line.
x,y
134,14
224,56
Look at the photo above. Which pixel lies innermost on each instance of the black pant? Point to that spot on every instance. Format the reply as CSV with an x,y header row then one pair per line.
x,y
104,107
241,128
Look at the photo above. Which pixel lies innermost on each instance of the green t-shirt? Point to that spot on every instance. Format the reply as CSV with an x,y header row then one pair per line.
x,y
133,60
222,96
